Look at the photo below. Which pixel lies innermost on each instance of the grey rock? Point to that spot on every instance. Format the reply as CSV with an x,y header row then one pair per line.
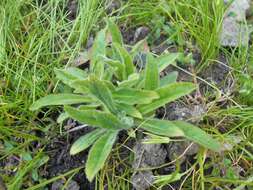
x,y
234,32
149,155
178,149
141,33
59,184
191,113
142,180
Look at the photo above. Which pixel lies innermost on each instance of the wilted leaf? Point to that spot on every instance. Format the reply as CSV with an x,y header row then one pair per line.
x,y
59,99
99,153
167,94
133,96
197,135
85,141
96,118
151,73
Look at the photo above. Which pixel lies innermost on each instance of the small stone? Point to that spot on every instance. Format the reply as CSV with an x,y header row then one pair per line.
x,y
142,180
151,155
141,33
177,149
234,32
58,185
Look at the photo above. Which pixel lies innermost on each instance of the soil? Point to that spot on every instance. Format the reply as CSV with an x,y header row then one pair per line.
x,y
61,161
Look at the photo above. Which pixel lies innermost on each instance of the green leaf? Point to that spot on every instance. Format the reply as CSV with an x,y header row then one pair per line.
x,y
133,96
62,117
151,73
168,79
132,80
99,153
85,141
119,68
115,32
129,110
167,94
125,58
197,135
167,59
161,127
100,91
70,74
59,99
166,179
138,47
98,50
96,118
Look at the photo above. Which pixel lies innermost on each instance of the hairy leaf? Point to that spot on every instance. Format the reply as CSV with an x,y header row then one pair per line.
x,y
129,110
197,135
151,73
169,79
85,141
161,127
98,50
125,58
100,90
99,153
70,74
133,96
120,70
132,80
165,60
167,94
96,118
115,32
59,99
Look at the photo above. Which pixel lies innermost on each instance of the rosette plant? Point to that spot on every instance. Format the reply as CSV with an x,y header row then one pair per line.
x,y
113,94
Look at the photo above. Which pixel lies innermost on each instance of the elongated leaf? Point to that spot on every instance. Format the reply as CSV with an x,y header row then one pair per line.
x,y
98,50
115,32
59,99
161,127
70,74
139,47
151,73
96,118
99,153
100,90
168,79
62,117
85,141
132,80
197,135
165,60
120,70
132,96
125,58
129,110
167,94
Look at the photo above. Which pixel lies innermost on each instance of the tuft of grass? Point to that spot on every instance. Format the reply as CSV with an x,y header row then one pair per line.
x,y
200,22
35,37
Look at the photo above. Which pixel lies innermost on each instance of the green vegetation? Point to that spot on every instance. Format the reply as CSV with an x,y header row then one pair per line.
x,y
43,88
